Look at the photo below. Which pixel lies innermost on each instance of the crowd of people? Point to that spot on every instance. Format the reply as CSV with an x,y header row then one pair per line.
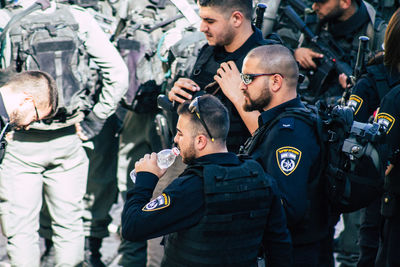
x,y
78,112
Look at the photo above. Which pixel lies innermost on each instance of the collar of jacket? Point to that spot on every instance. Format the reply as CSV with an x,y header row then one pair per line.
x,y
269,115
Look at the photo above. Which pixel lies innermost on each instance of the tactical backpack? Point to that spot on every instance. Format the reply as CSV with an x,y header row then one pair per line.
x,y
144,44
352,162
49,42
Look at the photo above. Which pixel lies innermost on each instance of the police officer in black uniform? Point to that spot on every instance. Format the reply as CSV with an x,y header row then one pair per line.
x,y
382,75
24,98
230,35
220,210
288,150
388,251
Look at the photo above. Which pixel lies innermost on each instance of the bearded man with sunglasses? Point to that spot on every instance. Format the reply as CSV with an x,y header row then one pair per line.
x,y
288,149
220,211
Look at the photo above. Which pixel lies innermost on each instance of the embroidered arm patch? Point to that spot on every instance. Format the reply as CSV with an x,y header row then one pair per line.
x,y
386,120
161,202
288,159
355,102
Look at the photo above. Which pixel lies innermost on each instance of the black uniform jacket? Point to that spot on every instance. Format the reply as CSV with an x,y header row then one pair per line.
x,y
365,97
289,152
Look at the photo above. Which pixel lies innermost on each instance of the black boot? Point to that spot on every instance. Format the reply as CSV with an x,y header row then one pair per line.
x,y
92,252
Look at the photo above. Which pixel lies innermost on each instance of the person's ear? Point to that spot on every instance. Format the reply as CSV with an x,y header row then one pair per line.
x,y
201,142
345,4
237,18
275,82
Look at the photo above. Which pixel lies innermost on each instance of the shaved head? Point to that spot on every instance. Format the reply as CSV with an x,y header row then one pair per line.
x,y
276,59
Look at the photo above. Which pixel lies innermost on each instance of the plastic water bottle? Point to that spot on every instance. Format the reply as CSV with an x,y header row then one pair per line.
x,y
165,158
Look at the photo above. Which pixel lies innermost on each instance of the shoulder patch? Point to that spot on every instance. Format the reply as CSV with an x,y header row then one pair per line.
x,y
355,102
161,202
386,120
288,159
286,123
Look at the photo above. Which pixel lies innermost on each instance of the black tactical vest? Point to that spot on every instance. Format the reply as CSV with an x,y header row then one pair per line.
x,y
237,202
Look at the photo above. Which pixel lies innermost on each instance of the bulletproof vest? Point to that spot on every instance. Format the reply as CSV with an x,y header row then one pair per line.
x,y
49,42
237,201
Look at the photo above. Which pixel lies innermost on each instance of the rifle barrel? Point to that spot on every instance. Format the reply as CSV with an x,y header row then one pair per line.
x,y
261,7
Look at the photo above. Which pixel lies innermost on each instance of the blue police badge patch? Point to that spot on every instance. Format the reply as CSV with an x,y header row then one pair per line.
x,y
161,202
288,159
386,120
355,102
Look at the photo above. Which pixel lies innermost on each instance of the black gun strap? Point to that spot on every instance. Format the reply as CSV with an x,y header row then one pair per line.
x,y
380,79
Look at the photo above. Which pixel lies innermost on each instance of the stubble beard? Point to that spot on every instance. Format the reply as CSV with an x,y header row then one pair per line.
x,y
189,154
257,104
224,38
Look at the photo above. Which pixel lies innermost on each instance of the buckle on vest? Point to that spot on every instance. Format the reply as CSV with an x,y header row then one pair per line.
x,y
332,136
196,71
51,29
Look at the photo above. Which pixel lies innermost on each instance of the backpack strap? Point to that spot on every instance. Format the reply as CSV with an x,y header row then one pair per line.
x,y
380,80
205,54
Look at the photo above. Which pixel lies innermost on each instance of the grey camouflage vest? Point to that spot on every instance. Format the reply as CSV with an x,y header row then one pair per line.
x,y
49,42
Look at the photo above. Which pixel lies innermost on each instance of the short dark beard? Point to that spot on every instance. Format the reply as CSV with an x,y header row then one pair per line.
x,y
334,15
258,104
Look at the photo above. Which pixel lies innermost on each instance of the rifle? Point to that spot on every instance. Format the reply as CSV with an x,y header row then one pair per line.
x,y
358,68
261,7
332,52
362,48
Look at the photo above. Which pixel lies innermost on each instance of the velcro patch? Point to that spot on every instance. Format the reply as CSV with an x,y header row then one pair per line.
x,y
386,120
286,123
288,159
355,102
161,202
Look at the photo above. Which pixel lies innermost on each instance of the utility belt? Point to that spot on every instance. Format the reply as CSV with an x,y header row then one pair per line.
x,y
37,134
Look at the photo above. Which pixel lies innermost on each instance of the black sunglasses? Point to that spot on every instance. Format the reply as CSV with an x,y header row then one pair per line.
x,y
195,108
248,78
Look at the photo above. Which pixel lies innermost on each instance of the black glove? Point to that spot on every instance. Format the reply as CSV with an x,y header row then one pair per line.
x,y
92,125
